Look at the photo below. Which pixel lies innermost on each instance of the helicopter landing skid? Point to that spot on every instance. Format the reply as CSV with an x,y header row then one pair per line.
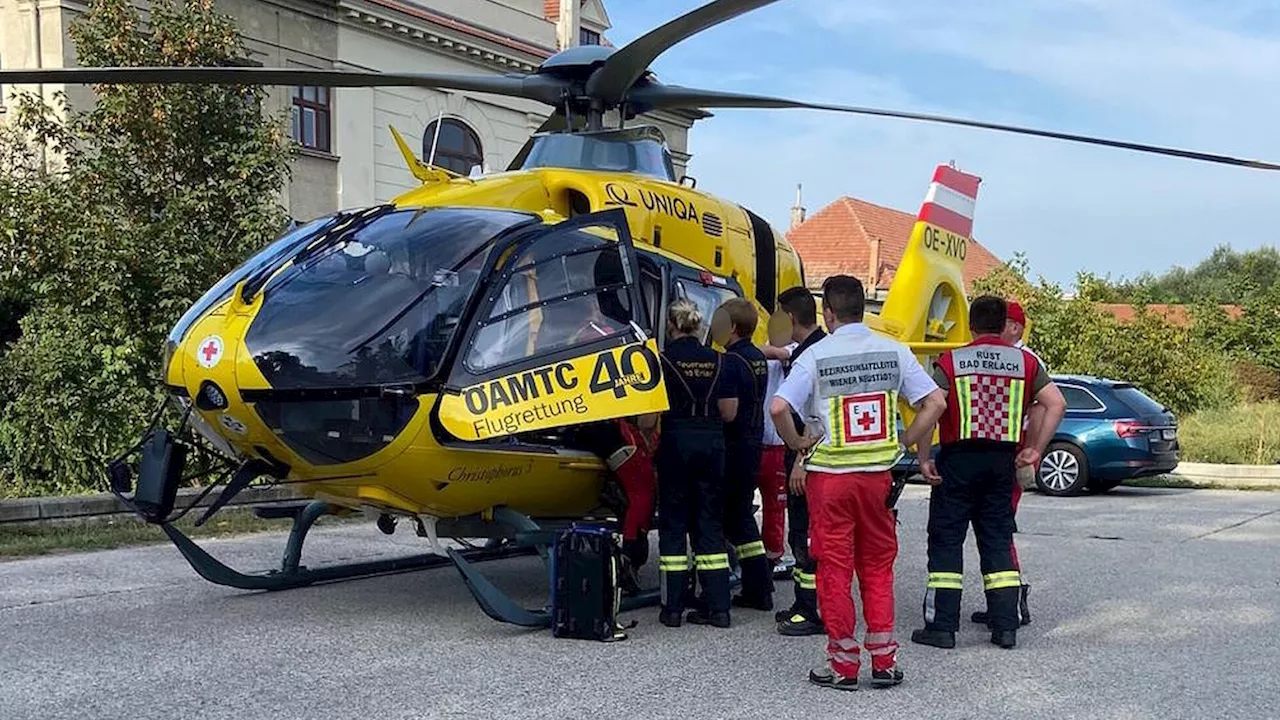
x,y
499,605
292,574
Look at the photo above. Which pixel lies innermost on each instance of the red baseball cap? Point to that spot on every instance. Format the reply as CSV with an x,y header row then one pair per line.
x,y
1015,313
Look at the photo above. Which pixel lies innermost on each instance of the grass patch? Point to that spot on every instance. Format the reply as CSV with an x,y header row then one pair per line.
x,y
1177,481
28,539
1247,434
1161,481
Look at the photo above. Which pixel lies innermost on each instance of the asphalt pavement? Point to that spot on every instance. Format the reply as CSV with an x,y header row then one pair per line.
x,y
1147,603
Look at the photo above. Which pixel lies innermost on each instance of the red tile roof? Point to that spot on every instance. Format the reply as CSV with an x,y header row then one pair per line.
x,y
1174,314
837,240
551,9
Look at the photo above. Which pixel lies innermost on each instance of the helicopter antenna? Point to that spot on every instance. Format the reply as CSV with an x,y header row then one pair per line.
x,y
439,121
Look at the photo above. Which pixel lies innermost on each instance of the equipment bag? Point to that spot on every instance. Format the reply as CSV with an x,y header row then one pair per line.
x,y
585,596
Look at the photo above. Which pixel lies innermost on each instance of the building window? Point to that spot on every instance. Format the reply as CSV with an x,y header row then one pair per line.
x,y
311,125
588,37
458,148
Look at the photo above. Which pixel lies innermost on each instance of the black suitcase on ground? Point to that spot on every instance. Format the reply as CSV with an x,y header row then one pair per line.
x,y
584,574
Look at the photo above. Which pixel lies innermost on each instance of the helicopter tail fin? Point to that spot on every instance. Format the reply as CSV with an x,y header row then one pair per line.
x,y
926,301
950,201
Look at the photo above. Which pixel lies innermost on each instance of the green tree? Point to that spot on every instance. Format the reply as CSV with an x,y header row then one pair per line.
x,y
1074,336
1227,277
162,189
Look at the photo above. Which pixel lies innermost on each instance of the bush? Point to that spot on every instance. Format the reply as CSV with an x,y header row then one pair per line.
x,y
1245,434
162,189
1074,336
1258,384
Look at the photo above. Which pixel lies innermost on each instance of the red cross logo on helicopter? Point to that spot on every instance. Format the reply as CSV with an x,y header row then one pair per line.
x,y
209,351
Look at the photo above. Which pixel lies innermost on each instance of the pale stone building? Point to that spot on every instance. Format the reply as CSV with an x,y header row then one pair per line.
x,y
348,157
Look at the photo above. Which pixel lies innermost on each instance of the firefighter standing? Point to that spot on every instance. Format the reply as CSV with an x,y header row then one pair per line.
x,y
1015,325
852,380
989,386
733,325
691,470
802,617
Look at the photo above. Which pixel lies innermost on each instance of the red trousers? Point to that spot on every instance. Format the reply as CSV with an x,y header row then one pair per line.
x,y
772,481
852,532
637,477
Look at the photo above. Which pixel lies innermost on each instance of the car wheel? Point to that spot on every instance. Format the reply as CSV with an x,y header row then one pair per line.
x,y
1063,470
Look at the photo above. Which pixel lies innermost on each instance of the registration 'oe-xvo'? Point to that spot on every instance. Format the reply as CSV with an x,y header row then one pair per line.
x,y
431,359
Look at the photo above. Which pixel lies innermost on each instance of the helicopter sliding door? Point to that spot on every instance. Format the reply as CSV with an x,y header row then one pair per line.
x,y
559,338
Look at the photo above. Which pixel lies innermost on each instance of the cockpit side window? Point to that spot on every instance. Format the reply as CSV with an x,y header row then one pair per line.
x,y
707,298
562,293
651,295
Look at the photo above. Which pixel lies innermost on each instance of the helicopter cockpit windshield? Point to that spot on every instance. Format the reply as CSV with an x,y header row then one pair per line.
x,y
640,150
377,306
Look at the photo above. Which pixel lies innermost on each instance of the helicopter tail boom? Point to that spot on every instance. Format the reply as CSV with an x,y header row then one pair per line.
x,y
926,305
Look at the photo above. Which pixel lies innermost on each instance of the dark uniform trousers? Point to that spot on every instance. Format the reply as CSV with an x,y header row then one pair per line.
x,y
742,463
977,487
691,503
804,573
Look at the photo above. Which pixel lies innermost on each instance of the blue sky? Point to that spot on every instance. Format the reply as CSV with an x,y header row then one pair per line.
x,y
1202,75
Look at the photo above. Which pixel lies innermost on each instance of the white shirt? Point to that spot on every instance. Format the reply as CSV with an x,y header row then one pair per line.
x,y
1039,359
797,388
771,436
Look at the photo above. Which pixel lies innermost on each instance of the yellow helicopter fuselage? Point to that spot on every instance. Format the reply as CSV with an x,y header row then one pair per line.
x,y
435,465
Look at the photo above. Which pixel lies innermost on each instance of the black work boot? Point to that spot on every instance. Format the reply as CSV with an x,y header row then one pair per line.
x,y
826,677
670,618
886,678
936,638
702,617
797,625
1007,639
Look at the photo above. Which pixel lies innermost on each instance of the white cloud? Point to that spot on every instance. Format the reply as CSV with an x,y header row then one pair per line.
x,y
1174,78
1152,56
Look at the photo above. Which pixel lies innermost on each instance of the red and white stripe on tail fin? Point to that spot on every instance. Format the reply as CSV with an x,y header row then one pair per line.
x,y
951,199
926,299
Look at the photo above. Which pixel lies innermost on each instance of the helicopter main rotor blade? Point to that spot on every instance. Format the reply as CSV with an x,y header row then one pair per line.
x,y
672,96
510,85
611,82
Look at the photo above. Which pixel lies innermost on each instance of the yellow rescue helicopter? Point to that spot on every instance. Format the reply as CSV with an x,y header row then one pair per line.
x,y
430,359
